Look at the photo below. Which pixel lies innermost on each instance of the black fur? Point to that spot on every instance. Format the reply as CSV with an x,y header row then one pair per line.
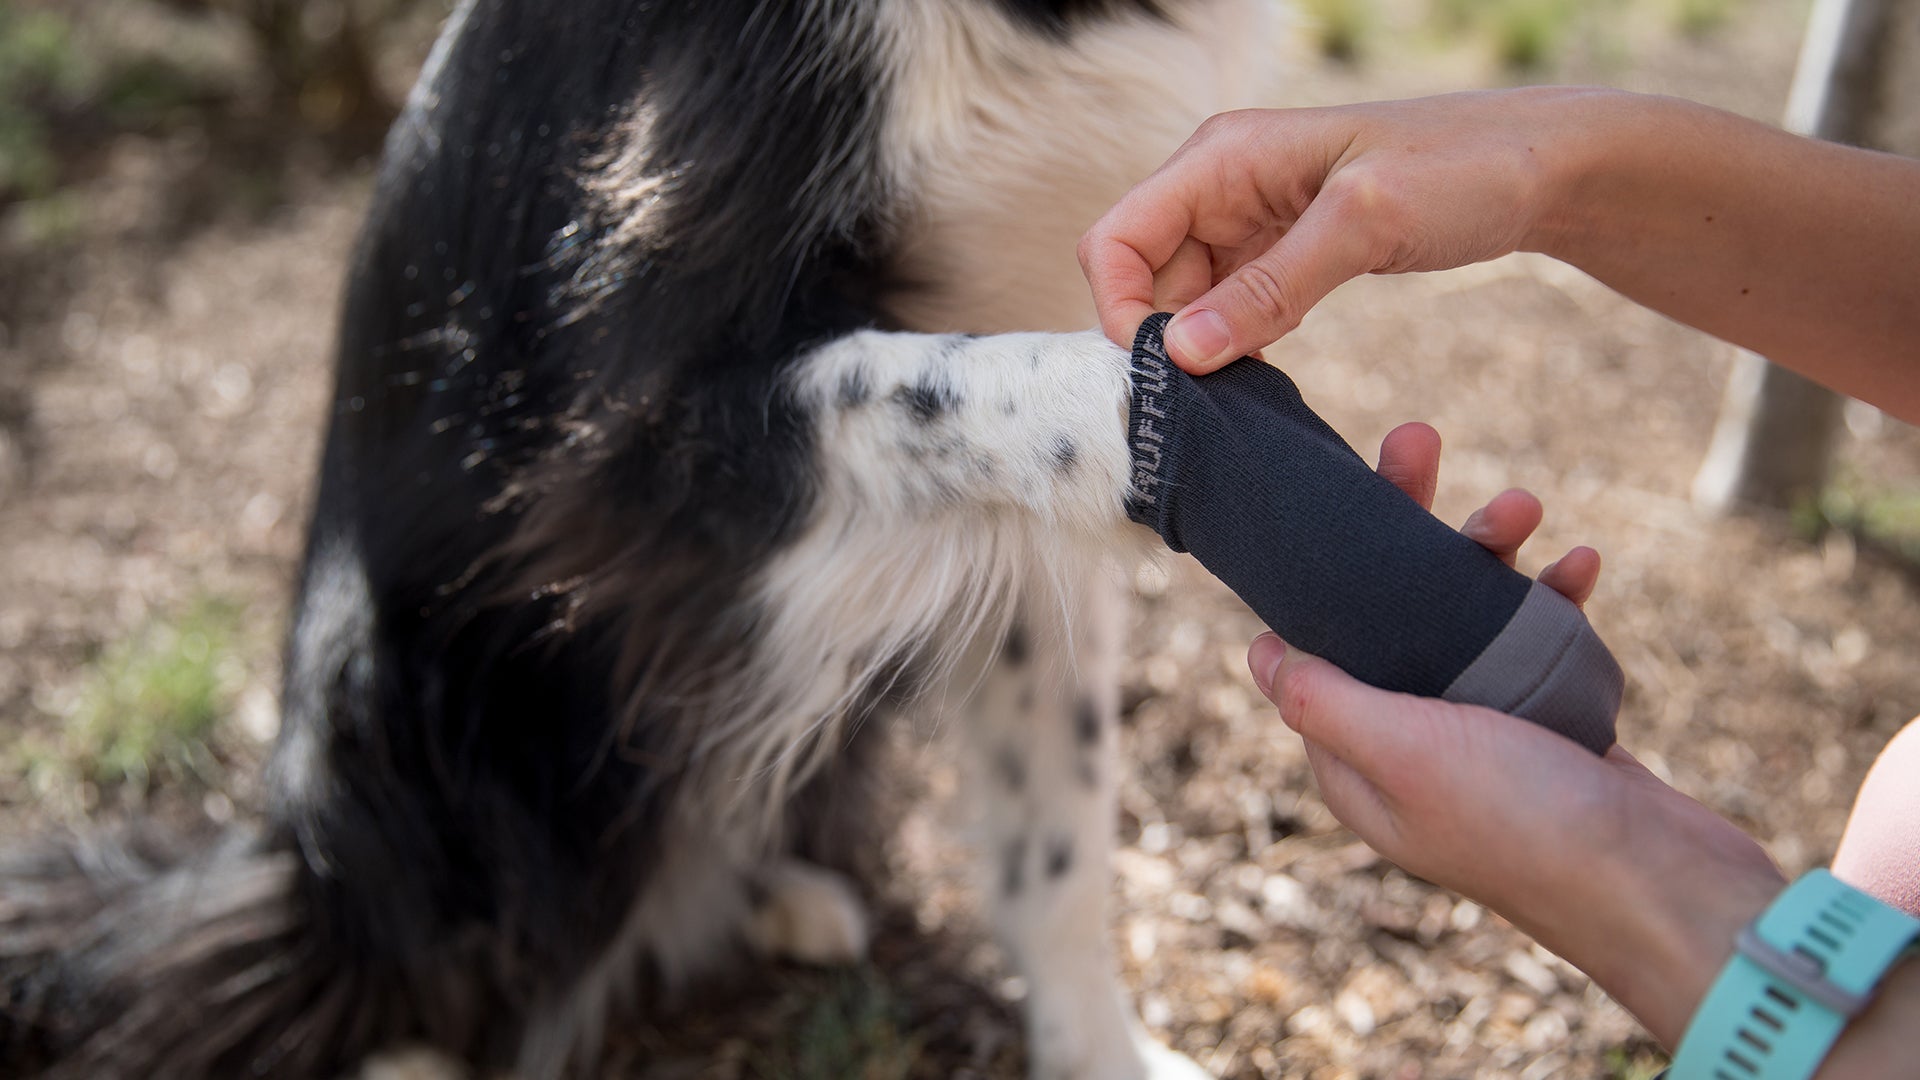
x,y
556,451
1061,16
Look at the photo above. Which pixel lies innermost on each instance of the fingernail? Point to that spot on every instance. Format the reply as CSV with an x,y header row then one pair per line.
x,y
1200,336
1263,660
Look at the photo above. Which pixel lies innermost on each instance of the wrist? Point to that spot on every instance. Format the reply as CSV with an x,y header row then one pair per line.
x,y
1589,141
1813,989
1680,920
1879,1042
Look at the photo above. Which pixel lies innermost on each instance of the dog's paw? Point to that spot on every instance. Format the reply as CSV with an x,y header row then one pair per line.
x,y
1164,1063
806,913
411,1063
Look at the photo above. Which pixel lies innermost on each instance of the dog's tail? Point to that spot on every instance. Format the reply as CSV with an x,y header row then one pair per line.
x,y
149,955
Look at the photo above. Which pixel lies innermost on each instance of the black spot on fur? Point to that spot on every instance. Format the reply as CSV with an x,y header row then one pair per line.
x,y
1059,858
1016,649
1013,868
1011,769
928,399
1065,455
854,389
1060,17
1086,722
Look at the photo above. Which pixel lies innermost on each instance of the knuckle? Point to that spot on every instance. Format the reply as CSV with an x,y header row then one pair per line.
x,y
1371,206
1234,126
1213,126
1101,244
1267,291
1362,190
1370,201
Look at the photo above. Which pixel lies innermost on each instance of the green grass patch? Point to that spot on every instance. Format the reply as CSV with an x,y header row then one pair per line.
x,y
1341,28
1889,520
1634,1064
38,65
1700,18
148,706
855,1029
1528,34
1524,35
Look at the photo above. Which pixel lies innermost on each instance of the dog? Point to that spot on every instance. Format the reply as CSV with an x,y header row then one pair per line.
x,y
712,391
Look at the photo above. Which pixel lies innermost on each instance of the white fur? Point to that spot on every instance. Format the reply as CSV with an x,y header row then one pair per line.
x,y
1002,145
930,534
809,914
923,529
1042,787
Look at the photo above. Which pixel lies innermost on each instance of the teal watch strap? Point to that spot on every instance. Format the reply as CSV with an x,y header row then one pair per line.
x,y
1804,968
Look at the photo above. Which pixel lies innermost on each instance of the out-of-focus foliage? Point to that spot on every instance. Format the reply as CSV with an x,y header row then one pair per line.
x,y
75,73
1883,518
147,708
1523,36
857,1030
1524,33
1698,18
1340,27
216,105
37,72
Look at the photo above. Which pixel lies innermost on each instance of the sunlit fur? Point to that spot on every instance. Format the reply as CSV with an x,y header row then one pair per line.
x,y
692,421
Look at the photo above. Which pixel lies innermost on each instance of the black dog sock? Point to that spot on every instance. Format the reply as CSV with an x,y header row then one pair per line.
x,y
1235,468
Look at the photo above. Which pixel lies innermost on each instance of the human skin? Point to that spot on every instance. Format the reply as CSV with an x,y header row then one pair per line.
x,y
1631,881
1880,851
1806,252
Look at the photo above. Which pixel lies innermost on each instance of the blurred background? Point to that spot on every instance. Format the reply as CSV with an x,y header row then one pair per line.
x,y
180,181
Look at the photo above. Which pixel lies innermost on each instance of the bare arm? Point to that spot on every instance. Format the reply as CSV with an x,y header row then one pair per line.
x,y
1806,252
1596,858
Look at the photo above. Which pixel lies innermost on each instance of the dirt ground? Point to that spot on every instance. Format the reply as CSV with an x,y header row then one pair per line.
x,y
162,415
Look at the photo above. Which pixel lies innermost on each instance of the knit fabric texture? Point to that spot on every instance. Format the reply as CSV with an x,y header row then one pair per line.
x,y
1236,469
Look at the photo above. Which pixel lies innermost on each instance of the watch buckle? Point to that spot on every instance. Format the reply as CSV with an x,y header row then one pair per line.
x,y
1800,970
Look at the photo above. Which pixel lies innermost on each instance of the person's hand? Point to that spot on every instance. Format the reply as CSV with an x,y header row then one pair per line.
x,y
1263,212
1596,858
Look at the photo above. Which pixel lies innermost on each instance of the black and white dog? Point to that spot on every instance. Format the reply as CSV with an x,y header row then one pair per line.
x,y
691,419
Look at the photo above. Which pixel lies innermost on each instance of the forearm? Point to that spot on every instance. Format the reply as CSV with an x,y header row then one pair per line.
x,y
1805,252
1879,1042
1671,917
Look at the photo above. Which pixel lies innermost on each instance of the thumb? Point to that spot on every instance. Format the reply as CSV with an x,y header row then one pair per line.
x,y
1265,298
1365,726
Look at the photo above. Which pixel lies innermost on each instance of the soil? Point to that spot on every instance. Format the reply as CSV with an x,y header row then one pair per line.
x,y
164,404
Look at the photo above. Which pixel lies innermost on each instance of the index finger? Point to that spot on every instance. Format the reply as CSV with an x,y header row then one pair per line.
x,y
1125,248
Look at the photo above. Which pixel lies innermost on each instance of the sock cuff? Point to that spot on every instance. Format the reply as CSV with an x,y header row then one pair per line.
x,y
1158,393
1548,666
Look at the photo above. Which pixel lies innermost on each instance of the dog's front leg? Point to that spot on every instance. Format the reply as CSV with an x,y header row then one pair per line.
x,y
916,427
970,487
1040,772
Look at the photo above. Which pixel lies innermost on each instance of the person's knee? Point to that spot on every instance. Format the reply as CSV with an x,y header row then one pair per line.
x,y
1880,851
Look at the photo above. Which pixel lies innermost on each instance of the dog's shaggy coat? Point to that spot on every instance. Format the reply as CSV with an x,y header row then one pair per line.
x,y
681,434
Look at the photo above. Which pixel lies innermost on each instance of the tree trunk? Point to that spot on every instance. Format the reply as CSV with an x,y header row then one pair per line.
x,y
1774,441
